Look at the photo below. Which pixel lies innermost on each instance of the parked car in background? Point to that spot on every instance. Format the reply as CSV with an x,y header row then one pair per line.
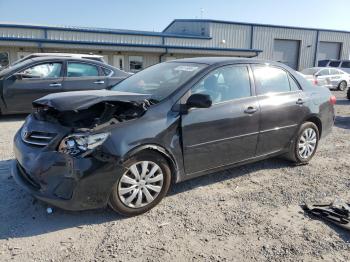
x,y
332,78
98,58
168,123
33,78
340,64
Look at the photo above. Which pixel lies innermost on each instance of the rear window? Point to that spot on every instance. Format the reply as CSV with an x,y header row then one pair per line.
x,y
334,63
106,71
80,69
346,64
323,62
271,80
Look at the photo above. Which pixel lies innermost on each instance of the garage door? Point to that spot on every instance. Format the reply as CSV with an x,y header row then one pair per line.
x,y
287,52
328,50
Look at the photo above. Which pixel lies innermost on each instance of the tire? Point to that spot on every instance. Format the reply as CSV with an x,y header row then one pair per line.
x,y
342,86
119,199
295,154
348,94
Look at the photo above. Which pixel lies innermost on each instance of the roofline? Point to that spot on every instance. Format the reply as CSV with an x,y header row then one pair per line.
x,y
253,24
43,40
103,30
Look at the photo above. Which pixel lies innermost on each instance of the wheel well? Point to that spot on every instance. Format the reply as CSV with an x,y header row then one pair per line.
x,y
163,153
317,122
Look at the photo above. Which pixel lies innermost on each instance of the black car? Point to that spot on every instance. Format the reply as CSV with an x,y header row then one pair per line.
x,y
31,79
168,123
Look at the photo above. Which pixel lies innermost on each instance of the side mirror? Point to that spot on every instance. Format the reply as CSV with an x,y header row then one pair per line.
x,y
199,101
317,75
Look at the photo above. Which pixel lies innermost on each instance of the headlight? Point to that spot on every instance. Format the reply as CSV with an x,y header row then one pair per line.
x,y
77,144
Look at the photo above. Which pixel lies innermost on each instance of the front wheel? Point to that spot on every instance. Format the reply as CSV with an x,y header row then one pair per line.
x,y
142,186
305,144
342,86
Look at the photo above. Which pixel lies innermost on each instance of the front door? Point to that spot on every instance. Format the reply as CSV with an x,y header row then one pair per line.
x,y
282,104
227,132
22,88
83,76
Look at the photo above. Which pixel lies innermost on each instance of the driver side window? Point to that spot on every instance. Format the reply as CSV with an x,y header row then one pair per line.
x,y
224,84
47,70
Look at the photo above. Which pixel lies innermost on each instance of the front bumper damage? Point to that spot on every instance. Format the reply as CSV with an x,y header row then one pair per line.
x,y
68,182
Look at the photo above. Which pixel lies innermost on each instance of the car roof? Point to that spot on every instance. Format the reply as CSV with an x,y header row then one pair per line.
x,y
223,60
67,55
66,58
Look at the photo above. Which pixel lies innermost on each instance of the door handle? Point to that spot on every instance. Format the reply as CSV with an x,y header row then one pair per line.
x,y
300,101
250,110
55,84
99,82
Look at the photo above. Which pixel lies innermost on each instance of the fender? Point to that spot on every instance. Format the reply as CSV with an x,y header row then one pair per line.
x,y
169,156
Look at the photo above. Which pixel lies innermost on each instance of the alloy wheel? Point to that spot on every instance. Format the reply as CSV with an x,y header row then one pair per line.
x,y
140,184
307,143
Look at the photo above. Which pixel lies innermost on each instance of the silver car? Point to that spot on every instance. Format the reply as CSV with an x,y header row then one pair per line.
x,y
332,78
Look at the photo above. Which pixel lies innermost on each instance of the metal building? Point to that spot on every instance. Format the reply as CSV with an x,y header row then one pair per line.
x,y
133,50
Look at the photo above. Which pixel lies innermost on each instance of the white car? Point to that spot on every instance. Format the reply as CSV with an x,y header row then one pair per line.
x,y
332,78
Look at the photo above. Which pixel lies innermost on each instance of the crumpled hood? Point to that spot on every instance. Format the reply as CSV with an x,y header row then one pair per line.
x,y
78,100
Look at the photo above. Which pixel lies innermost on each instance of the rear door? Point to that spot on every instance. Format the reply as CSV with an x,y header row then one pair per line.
x,y
282,105
226,132
83,76
30,84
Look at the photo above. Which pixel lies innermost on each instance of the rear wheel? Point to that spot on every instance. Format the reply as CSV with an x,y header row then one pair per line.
x,y
305,144
142,186
342,86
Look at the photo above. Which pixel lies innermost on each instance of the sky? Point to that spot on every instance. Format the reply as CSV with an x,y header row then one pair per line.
x,y
157,14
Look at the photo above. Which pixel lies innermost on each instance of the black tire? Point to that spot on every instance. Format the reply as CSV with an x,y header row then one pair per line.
x,y
342,86
115,201
294,154
348,94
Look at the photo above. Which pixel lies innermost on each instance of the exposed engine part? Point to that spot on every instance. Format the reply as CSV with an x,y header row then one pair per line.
x,y
104,113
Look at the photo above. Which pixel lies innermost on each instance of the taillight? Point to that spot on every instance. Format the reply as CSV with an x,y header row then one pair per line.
x,y
332,100
315,82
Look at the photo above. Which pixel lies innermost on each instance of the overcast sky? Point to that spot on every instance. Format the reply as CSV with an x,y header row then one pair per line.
x,y
155,15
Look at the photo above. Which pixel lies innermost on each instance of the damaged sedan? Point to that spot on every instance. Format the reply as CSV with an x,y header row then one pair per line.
x,y
174,121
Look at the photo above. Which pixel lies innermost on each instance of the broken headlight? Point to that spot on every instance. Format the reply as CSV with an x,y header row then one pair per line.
x,y
77,144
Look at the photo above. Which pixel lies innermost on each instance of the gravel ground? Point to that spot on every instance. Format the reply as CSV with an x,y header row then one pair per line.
x,y
250,213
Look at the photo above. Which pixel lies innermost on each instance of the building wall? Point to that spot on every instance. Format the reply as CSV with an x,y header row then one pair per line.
x,y
263,38
192,35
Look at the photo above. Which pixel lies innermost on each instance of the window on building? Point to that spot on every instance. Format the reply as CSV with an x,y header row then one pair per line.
x,y
224,84
136,63
334,63
346,64
4,59
81,69
270,80
46,70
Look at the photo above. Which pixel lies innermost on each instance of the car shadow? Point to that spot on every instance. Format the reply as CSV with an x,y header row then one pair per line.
x,y
232,173
342,122
23,216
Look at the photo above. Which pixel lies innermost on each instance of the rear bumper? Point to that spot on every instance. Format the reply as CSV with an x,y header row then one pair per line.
x,y
64,181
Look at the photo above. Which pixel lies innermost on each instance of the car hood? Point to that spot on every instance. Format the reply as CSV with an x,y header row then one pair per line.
x,y
78,100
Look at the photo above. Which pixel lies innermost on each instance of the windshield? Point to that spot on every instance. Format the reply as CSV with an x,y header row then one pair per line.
x,y
159,80
310,71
